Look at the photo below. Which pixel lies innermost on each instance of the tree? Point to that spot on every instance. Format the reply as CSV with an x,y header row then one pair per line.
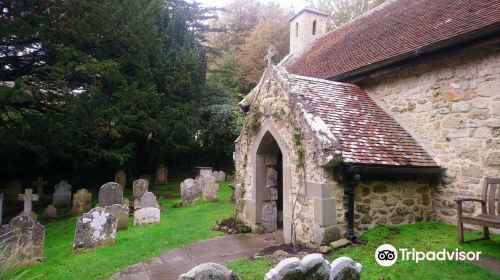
x,y
92,85
272,29
342,11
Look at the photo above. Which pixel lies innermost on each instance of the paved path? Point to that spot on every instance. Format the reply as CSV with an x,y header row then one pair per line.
x,y
489,263
223,249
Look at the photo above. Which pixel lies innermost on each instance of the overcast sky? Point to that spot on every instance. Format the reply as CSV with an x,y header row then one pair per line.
x,y
297,4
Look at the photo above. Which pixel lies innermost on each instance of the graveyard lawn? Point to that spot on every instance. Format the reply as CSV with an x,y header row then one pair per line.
x,y
425,236
178,227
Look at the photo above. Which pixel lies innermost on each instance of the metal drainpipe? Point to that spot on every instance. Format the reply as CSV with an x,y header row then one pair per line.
x,y
349,191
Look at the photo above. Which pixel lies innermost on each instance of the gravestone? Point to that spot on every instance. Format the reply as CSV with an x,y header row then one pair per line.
x,y
209,188
344,268
213,271
62,194
82,202
148,200
24,237
120,212
110,193
1,208
269,216
140,187
204,171
50,213
221,176
148,215
161,175
28,197
121,178
190,193
94,229
39,183
12,189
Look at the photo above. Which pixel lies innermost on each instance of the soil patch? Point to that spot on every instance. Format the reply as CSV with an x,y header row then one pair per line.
x,y
232,226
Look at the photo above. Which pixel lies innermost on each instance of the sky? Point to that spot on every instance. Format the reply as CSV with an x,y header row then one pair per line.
x,y
297,4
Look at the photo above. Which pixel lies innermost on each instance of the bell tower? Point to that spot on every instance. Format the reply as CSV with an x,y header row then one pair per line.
x,y
305,27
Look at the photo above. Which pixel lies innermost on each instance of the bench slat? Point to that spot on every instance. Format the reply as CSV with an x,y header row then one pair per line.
x,y
491,199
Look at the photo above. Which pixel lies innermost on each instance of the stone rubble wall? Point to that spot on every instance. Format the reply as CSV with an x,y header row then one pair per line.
x,y
452,107
392,203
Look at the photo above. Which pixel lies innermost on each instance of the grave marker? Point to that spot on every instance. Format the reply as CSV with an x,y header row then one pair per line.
x,y
28,197
62,194
161,174
121,178
148,200
24,237
82,202
96,228
39,184
109,194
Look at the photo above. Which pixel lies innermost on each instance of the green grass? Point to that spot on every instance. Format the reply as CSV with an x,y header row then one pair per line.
x,y
179,226
427,236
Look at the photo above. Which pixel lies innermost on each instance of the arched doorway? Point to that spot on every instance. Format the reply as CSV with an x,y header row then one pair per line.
x,y
271,209
269,175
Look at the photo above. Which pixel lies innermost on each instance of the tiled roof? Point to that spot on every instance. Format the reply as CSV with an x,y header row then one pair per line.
x,y
367,134
398,28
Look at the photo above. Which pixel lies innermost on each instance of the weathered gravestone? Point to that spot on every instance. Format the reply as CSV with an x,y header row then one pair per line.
x,y
204,171
39,183
190,192
50,213
148,200
140,186
149,215
94,229
120,212
344,268
221,176
82,202
209,188
109,194
24,237
62,194
212,271
28,197
161,175
121,178
311,267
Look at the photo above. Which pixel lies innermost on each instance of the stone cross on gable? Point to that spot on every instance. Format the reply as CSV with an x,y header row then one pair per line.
x,y
271,52
39,184
28,197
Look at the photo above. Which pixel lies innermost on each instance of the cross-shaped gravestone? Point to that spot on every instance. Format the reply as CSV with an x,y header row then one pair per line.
x,y
271,52
28,197
39,184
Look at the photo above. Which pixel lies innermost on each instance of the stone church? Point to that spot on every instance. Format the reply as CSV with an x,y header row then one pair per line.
x,y
386,119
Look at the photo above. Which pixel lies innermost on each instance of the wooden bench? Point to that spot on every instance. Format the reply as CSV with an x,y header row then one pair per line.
x,y
490,206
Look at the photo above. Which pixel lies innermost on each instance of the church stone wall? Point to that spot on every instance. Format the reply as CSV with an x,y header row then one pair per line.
x,y
310,184
392,203
452,107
